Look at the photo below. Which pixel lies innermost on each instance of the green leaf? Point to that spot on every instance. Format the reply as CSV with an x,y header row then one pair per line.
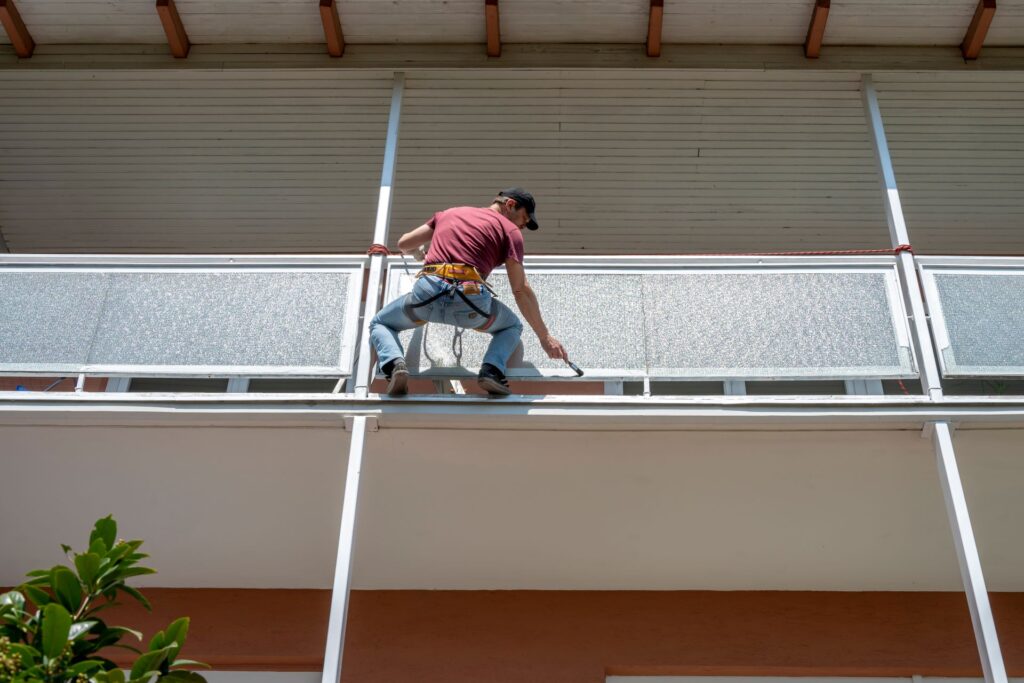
x,y
86,667
65,547
65,584
138,596
88,566
182,676
39,572
113,676
158,641
176,634
55,628
106,530
123,630
38,596
29,655
80,628
190,662
149,662
137,571
15,599
98,546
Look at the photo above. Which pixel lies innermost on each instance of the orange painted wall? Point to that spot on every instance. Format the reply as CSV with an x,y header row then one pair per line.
x,y
580,636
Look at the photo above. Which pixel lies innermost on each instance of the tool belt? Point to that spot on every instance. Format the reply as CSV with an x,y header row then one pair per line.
x,y
452,271
463,280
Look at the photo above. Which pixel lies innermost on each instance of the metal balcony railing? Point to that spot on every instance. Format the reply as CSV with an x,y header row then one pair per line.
x,y
740,318
179,316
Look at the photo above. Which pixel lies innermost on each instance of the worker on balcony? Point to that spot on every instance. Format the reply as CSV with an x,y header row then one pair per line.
x,y
466,244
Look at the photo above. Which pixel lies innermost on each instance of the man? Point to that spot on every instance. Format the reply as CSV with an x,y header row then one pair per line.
x,y
466,244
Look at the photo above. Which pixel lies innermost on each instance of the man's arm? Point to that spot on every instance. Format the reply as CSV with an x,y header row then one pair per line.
x,y
528,305
414,239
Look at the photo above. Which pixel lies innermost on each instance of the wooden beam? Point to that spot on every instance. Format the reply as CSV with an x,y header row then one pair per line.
x,y
16,31
975,37
332,27
816,31
654,22
175,30
493,28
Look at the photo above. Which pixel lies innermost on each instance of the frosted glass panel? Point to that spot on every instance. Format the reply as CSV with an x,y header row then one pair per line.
x,y
179,321
772,325
983,319
49,318
593,315
754,323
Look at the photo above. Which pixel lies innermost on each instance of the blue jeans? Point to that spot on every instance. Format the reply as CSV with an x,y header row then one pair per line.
x,y
505,327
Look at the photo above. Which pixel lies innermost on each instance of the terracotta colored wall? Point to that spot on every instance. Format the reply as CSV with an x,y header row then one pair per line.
x,y
40,383
581,636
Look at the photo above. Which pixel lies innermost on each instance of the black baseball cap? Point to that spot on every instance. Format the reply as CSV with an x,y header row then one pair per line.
x,y
525,200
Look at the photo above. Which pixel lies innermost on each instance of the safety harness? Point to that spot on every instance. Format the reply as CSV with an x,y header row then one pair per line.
x,y
462,280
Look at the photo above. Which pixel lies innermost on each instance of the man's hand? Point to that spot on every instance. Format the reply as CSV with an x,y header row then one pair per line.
x,y
553,348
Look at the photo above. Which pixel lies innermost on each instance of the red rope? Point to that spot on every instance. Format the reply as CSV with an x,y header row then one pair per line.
x,y
379,249
835,252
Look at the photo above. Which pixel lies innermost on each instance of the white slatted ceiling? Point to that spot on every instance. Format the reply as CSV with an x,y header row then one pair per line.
x,y
957,142
851,22
744,21
648,162
196,161
907,22
1007,27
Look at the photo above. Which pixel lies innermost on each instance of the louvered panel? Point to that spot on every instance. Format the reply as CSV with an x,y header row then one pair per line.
x,y
957,143
647,162
267,161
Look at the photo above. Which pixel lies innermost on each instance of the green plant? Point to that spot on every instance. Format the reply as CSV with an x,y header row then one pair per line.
x,y
50,631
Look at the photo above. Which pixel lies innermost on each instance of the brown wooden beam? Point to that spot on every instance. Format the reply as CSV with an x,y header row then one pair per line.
x,y
493,28
332,27
16,31
654,23
816,31
971,47
175,30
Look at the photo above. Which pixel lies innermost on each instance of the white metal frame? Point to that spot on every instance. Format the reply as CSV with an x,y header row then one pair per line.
x,y
342,586
949,476
931,382
932,266
108,264
398,283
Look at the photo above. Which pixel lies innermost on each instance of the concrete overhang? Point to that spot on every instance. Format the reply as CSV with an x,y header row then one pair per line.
x,y
529,493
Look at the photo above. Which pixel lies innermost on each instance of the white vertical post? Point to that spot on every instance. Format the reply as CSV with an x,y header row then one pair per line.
x,y
362,377
898,235
967,554
343,564
734,387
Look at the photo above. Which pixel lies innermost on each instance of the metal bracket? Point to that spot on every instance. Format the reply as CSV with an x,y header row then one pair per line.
x,y
371,423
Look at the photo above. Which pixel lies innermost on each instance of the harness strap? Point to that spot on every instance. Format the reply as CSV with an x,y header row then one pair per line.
x,y
452,287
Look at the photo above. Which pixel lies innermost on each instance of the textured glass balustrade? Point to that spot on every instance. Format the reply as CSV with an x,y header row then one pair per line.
x,y
170,316
738,318
977,314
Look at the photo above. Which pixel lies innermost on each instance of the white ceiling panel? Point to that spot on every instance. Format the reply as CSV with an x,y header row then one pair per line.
x,y
909,22
745,21
851,22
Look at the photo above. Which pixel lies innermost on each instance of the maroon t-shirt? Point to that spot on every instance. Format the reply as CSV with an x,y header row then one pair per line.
x,y
481,238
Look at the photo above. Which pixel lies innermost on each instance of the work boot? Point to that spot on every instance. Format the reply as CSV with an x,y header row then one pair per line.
x,y
398,378
493,381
